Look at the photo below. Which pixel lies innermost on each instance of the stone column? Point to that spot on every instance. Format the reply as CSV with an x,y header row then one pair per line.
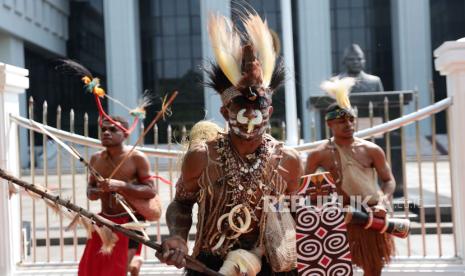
x,y
212,100
13,82
289,86
12,52
411,39
122,43
450,62
315,55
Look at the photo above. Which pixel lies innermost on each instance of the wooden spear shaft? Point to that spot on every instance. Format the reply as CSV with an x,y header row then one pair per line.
x,y
191,262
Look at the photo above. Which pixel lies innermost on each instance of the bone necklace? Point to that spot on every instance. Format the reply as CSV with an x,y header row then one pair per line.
x,y
244,179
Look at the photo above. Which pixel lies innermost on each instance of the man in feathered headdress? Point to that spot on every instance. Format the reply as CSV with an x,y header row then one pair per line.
x,y
229,175
108,253
354,162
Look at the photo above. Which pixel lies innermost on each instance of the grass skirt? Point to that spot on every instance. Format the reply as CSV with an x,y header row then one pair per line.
x,y
370,250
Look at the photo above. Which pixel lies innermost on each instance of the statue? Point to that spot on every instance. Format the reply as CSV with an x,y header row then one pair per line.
x,y
354,61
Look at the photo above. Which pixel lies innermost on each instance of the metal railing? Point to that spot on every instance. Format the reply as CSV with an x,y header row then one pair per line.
x,y
46,241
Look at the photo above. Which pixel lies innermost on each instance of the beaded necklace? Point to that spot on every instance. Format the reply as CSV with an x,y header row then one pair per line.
x,y
244,176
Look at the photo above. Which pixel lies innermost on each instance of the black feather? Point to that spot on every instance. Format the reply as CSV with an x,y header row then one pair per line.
x,y
279,76
71,67
216,78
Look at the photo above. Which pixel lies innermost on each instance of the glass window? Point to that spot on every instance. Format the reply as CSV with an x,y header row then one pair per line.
x,y
195,24
343,17
168,8
182,25
169,47
183,46
196,46
174,42
357,17
182,7
169,69
169,25
86,45
184,66
195,7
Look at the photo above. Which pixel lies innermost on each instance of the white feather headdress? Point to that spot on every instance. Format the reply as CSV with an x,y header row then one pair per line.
x,y
339,89
245,61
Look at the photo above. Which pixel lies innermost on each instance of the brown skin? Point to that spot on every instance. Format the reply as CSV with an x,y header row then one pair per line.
x,y
126,180
367,153
175,247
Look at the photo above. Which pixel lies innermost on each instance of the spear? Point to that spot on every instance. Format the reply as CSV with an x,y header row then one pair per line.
x,y
69,149
191,262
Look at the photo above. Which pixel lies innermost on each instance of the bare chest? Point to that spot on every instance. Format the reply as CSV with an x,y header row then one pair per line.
x,y
126,172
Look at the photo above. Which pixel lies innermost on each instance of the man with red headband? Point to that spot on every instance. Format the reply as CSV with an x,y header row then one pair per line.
x,y
230,175
131,181
107,253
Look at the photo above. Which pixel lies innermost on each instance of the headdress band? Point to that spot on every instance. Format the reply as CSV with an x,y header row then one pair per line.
x,y
339,113
229,94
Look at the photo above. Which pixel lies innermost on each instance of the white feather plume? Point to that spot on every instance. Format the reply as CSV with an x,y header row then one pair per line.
x,y
260,36
226,45
339,89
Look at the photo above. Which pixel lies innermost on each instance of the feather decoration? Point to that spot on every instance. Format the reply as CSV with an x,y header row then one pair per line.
x,y
226,45
216,78
74,223
137,226
12,190
260,36
279,76
73,68
53,206
140,111
108,238
88,225
84,222
339,89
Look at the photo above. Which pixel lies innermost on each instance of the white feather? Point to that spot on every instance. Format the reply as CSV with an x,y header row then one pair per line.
x,y
339,89
260,36
226,45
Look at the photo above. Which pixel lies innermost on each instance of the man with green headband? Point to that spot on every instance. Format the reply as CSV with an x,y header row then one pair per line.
x,y
354,164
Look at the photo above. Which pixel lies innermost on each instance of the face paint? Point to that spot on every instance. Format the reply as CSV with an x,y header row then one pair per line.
x,y
251,123
241,118
255,126
255,121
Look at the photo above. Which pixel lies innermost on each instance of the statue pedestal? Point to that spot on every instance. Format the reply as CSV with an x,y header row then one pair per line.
x,y
362,101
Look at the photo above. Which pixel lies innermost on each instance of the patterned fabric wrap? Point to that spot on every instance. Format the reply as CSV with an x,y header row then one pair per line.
x,y
322,243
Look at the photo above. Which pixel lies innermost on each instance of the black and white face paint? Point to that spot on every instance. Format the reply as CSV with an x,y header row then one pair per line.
x,y
247,128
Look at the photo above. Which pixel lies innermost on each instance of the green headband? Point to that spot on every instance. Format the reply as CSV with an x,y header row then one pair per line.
x,y
339,113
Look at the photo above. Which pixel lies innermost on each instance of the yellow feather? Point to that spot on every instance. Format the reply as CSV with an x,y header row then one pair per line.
x,y
339,89
262,40
226,45
86,79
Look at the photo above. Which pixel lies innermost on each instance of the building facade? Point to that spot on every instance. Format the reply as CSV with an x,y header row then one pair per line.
x,y
162,45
